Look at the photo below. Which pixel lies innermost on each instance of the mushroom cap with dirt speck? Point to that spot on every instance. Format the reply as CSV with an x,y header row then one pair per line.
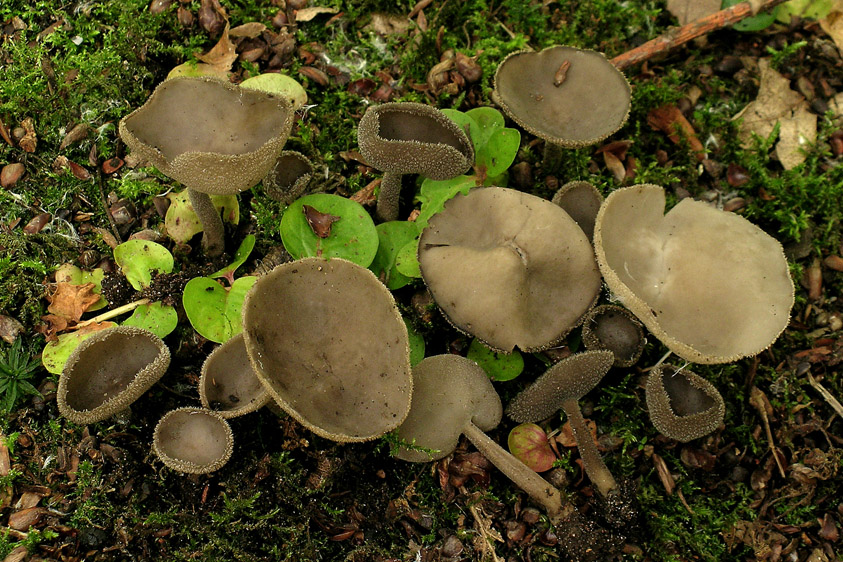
x,y
614,328
569,379
591,102
449,392
709,284
329,344
582,201
414,138
193,440
210,135
683,405
228,384
289,177
108,371
510,268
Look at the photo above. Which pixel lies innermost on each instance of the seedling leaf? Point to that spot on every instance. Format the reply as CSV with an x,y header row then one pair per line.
x,y
393,236
139,258
157,317
213,310
499,366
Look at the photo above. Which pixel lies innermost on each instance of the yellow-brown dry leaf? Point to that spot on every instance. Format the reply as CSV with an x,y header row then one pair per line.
x,y
307,14
832,24
689,10
72,301
249,30
223,54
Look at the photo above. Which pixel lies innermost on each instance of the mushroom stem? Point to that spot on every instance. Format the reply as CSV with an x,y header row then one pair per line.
x,y
593,463
213,232
110,314
552,157
390,190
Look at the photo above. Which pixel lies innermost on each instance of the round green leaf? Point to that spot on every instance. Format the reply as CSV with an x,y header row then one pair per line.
x,y
465,122
352,237
213,310
393,236
56,352
488,120
499,153
416,344
181,222
139,258
157,317
499,366
528,443
407,259
281,84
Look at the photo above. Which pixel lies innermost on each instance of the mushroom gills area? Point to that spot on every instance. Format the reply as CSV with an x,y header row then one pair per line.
x,y
685,398
96,379
205,116
398,125
193,437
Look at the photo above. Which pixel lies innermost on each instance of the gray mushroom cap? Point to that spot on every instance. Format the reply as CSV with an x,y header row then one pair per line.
x,y
508,267
289,177
329,344
193,440
228,383
582,201
683,405
614,328
590,103
210,135
108,371
413,138
449,393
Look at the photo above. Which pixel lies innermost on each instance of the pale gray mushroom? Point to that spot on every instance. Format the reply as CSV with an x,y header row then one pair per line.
x,y
212,136
228,383
288,179
683,405
108,371
411,138
614,328
193,440
582,201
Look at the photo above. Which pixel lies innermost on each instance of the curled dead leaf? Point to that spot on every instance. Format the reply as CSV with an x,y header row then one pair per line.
x,y
222,55
319,222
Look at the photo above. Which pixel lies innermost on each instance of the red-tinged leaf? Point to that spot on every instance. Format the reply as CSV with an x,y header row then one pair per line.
x,y
737,175
669,120
112,165
37,223
528,442
11,173
79,172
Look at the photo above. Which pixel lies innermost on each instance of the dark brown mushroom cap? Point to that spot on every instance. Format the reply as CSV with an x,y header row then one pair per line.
x,y
289,177
413,138
591,102
569,379
582,201
328,342
449,392
712,286
682,404
614,328
108,371
508,267
193,440
228,383
208,134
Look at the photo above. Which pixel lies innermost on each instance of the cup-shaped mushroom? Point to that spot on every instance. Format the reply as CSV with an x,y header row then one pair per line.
x,y
193,440
582,201
614,328
108,371
709,284
683,405
289,177
228,384
569,97
329,344
510,268
411,138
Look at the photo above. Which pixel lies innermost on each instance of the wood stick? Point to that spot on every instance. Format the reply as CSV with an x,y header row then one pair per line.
x,y
676,36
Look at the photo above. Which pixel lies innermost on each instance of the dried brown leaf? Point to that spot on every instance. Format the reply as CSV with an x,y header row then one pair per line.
x,y
29,141
669,120
11,173
77,133
689,10
249,30
388,24
9,330
37,223
832,24
665,476
222,55
615,166
72,301
319,222
307,14
25,518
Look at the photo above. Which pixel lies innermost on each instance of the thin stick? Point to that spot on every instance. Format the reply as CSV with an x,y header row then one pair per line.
x,y
829,397
676,36
759,401
110,314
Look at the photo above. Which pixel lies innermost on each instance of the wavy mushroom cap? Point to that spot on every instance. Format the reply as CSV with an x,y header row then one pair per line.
x,y
569,379
510,268
328,343
228,383
289,177
582,201
616,329
193,440
208,134
413,138
712,286
449,392
683,405
109,371
573,108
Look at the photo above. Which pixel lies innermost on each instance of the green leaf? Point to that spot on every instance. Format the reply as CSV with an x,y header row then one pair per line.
x,y
240,256
213,310
489,120
407,261
280,84
499,153
56,352
139,258
465,122
159,318
754,23
434,193
416,344
181,222
806,9
352,237
393,236
499,366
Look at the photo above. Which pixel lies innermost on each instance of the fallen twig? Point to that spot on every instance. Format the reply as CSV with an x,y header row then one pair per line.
x,y
829,397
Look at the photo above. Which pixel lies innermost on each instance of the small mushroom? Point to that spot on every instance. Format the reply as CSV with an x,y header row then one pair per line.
x,y
327,341
193,440
562,386
614,328
682,404
212,136
411,138
582,201
712,286
289,177
108,371
228,383
510,268
569,97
